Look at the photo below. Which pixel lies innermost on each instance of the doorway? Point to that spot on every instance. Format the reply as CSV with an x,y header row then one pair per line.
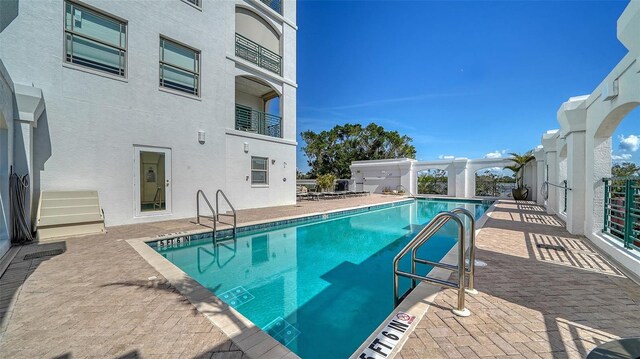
x,y
152,172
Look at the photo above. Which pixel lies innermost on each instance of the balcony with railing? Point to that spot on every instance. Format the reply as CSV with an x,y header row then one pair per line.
x,y
276,5
254,121
622,210
258,55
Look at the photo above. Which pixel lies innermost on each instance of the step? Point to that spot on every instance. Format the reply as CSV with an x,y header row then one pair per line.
x,y
69,213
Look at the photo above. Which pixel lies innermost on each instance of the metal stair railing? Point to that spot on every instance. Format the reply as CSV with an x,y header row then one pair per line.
x,y
233,210
461,268
213,212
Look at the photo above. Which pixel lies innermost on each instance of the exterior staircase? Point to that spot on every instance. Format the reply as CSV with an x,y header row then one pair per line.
x,y
69,213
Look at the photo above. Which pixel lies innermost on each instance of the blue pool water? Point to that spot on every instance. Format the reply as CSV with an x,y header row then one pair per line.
x,y
319,288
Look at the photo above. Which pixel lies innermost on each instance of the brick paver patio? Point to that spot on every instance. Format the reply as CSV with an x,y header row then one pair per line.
x,y
533,303
101,299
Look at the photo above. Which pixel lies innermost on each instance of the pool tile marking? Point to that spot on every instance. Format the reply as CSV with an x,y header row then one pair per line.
x,y
282,331
236,297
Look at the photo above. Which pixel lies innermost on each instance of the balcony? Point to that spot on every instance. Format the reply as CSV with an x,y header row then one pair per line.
x,y
258,55
254,121
274,4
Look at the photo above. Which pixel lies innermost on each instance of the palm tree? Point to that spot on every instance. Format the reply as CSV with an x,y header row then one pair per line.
x,y
519,162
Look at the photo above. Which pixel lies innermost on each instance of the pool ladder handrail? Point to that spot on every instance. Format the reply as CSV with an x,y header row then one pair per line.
x,y
461,269
213,212
233,210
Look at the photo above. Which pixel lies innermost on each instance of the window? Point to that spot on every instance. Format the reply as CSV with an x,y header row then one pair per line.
x,y
196,3
259,170
179,67
95,40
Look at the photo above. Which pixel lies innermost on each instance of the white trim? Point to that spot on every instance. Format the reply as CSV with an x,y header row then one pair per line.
x,y
73,66
256,136
179,93
137,210
266,73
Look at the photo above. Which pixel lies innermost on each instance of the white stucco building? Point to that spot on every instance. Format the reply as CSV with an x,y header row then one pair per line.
x,y
147,102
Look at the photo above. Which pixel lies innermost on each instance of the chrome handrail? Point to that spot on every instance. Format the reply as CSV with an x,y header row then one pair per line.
x,y
461,269
233,210
213,212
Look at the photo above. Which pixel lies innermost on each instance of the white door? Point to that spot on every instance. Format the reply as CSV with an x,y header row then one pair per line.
x,y
152,181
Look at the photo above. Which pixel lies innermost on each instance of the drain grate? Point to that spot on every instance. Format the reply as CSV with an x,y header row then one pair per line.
x,y
551,246
50,253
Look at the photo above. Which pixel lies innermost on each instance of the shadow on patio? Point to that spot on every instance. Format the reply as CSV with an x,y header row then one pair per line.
x,y
533,302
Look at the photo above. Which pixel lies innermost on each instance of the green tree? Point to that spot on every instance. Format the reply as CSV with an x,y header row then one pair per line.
x,y
625,169
519,161
333,151
433,182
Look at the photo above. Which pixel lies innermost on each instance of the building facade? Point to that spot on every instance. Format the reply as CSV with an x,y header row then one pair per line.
x,y
148,102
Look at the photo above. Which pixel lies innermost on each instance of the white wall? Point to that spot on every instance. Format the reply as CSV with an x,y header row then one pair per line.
x,y
587,123
6,156
376,175
86,138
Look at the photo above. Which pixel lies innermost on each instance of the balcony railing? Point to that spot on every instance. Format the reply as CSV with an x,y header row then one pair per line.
x,y
274,4
258,55
250,120
622,210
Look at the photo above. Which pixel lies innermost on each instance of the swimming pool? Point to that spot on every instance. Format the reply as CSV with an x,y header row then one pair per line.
x,y
318,287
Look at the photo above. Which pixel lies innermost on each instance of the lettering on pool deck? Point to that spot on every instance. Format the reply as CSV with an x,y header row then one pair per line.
x,y
387,339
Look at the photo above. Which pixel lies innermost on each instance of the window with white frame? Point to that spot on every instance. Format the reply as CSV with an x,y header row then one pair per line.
x,y
179,67
95,40
259,170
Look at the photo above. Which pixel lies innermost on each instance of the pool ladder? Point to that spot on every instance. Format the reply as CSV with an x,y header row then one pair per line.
x,y
215,213
461,269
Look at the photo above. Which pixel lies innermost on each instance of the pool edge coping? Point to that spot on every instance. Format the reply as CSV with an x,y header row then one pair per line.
x,y
253,341
418,302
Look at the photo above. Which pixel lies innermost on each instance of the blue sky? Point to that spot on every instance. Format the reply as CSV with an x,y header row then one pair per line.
x,y
462,78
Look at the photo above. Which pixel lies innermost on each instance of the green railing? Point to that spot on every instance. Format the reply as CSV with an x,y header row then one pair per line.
x,y
250,120
622,210
258,55
274,4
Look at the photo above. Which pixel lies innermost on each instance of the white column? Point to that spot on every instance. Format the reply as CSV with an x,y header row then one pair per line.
x,y
576,160
460,169
549,144
539,154
572,117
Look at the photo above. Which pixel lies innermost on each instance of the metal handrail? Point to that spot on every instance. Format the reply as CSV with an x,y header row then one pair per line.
x,y
258,55
563,186
405,188
421,238
213,212
233,210
250,120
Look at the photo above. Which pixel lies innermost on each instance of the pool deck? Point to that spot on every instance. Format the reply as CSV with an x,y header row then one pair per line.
x,y
101,299
533,303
